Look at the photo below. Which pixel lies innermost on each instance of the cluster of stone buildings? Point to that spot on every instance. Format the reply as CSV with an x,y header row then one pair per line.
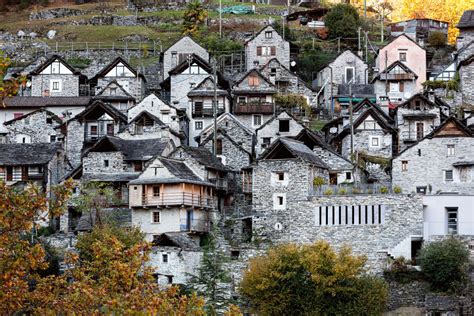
x,y
393,168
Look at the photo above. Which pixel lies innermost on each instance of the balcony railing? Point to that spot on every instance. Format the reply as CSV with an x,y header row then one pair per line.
x,y
220,183
254,108
203,112
94,137
183,198
194,225
411,136
368,188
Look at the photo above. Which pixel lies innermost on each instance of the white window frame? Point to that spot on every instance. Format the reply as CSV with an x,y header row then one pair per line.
x,y
345,74
196,127
276,201
393,85
404,163
253,120
452,210
451,149
52,82
152,219
406,56
445,172
371,139
268,34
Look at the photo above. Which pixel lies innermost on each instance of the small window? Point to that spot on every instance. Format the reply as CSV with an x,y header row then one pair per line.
x,y
450,150
165,258
375,142
452,220
254,81
219,147
155,217
349,74
170,279
106,163
280,176
273,71
418,105
394,87
156,190
348,175
280,200
448,175
49,120
268,34
266,141
138,166
284,126
52,138
404,165
113,91
241,100
110,129
198,125
403,56
55,86
194,70
257,120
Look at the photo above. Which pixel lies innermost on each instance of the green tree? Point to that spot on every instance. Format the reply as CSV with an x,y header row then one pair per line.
x,y
444,264
312,279
194,15
212,279
342,21
437,39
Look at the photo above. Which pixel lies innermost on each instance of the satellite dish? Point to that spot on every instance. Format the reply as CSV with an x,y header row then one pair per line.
x,y
333,130
28,84
293,63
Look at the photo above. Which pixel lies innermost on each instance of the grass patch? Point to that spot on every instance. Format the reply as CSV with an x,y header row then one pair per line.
x,y
316,125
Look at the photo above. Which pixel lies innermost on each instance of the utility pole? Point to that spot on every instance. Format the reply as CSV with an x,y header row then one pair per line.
x,y
365,11
366,45
214,147
351,120
220,18
382,20
338,45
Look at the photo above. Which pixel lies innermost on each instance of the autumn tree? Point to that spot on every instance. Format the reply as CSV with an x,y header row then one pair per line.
x,y
8,88
312,280
194,16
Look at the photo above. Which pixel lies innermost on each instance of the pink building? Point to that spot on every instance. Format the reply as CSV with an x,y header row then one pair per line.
x,y
404,49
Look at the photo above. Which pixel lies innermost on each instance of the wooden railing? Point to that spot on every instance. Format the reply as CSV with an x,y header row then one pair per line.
x,y
368,188
179,198
256,108
220,183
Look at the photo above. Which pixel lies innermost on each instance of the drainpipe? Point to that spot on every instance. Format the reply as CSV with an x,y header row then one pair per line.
x,y
332,95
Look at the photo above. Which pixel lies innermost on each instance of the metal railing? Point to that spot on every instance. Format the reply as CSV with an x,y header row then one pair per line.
x,y
194,225
411,136
220,183
368,188
180,198
150,46
257,108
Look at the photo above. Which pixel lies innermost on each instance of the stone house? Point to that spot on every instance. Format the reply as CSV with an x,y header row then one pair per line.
x,y
39,163
439,162
287,82
254,101
395,84
407,52
201,99
415,118
419,29
341,170
231,152
466,29
114,94
180,51
344,69
281,125
265,45
86,128
130,79
56,78
174,257
234,128
147,126
36,127
466,72
173,117
63,107
170,197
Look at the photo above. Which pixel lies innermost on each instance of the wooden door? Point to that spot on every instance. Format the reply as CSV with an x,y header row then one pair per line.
x,y
419,131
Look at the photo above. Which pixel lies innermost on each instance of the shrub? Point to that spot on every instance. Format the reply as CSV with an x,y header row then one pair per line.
x,y
384,190
355,191
400,272
444,264
437,39
342,21
318,181
328,192
342,191
397,189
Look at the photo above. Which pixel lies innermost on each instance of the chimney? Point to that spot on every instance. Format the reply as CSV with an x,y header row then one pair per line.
x,y
431,96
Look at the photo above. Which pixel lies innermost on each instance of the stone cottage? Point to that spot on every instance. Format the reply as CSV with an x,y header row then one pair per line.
x,y
179,52
36,127
254,99
265,45
466,29
114,94
56,78
439,162
466,72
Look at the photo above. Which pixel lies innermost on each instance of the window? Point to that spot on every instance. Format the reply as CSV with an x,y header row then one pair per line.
x,y
155,217
450,150
137,166
106,163
402,56
448,175
49,120
257,120
120,70
55,65
241,100
254,81
280,200
404,165
110,129
273,72
394,87
113,91
156,190
418,105
369,124
374,141
194,70
55,85
174,59
266,50
219,147
165,258
17,115
268,34
452,220
139,129
266,141
280,176
348,175
349,74
284,126
198,125
165,118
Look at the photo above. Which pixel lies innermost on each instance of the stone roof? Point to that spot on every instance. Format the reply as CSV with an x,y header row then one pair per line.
x,y
27,154
132,149
177,239
110,177
467,20
204,157
37,102
202,90
120,216
51,114
125,96
366,103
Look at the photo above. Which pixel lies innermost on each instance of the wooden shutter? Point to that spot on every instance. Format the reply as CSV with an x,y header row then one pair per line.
x,y
402,87
259,50
273,50
24,173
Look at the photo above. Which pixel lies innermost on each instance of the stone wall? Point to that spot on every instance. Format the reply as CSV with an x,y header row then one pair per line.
x,y
94,162
184,46
282,48
466,73
74,142
36,126
136,86
232,156
247,120
69,85
362,143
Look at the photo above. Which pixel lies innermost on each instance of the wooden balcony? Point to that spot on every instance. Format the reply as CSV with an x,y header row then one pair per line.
x,y
205,112
254,108
194,225
179,198
220,183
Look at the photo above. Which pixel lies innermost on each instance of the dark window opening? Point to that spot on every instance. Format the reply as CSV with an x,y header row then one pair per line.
x,y
234,254
106,163
219,147
284,126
